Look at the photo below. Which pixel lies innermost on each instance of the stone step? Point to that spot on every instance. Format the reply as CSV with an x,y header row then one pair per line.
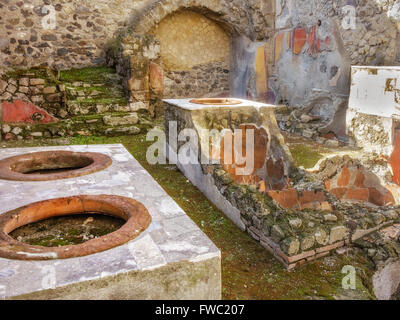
x,y
89,91
102,124
76,108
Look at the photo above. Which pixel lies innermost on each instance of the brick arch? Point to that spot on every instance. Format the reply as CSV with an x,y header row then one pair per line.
x,y
214,10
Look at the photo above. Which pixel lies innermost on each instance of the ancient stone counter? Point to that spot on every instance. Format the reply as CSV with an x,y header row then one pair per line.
x,y
296,215
171,259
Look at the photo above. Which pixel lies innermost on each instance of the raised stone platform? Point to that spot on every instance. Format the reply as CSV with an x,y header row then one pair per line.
x,y
171,259
298,221
272,158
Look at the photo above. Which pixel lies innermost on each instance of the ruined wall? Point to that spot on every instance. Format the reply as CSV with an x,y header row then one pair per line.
x,y
74,33
319,40
195,52
64,35
195,36
39,102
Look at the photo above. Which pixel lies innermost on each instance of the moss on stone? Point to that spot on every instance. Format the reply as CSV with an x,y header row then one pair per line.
x,y
102,100
49,76
90,75
67,230
305,155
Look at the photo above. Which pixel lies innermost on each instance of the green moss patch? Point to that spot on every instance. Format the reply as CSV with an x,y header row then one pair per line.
x,y
101,100
306,156
91,75
68,230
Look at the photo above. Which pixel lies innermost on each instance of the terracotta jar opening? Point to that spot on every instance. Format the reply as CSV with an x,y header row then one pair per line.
x,y
52,165
135,215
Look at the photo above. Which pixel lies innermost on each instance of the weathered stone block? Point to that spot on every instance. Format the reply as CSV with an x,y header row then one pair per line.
x,y
24,82
126,131
48,90
37,99
5,128
3,85
121,121
37,134
23,89
307,242
36,81
277,233
296,223
337,234
290,246
330,218
321,236
11,88
16,130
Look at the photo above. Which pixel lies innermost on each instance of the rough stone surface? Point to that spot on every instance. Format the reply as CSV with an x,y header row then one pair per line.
x,y
121,121
58,107
387,281
337,234
74,41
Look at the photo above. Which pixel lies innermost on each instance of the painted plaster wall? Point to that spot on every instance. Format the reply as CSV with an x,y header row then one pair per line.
x,y
316,43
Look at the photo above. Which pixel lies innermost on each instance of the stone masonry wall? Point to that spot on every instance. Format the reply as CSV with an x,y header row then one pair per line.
x,y
205,80
82,29
40,102
65,34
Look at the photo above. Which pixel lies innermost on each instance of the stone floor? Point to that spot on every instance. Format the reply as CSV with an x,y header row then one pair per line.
x,y
172,259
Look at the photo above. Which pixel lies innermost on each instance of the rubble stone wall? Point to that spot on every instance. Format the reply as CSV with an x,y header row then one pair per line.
x,y
69,34
303,221
40,102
